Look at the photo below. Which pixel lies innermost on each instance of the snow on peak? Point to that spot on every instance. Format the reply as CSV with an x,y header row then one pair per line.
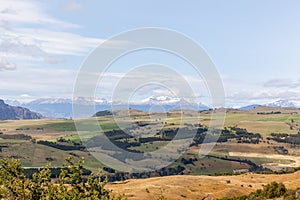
x,y
80,100
160,100
49,101
282,103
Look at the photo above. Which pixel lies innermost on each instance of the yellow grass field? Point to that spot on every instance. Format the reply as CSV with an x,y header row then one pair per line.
x,y
199,187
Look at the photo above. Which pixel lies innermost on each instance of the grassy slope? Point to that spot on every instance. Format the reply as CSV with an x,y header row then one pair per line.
x,y
198,187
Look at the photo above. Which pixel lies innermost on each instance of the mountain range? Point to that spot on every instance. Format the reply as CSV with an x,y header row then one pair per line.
x,y
276,104
62,108
16,112
283,104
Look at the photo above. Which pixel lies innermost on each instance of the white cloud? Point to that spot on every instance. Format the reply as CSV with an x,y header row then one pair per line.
x,y
242,92
282,83
37,82
28,34
73,6
59,42
29,12
25,96
6,65
60,82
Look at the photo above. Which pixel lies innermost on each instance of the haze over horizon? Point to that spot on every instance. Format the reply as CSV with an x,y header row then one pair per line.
x,y
254,45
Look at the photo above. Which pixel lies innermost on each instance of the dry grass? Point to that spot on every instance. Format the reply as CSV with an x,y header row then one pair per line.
x,y
198,187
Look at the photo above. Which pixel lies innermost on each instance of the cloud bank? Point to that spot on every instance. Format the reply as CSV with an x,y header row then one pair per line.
x,y
28,34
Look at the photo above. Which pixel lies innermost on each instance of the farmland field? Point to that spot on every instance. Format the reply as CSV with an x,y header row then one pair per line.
x,y
263,121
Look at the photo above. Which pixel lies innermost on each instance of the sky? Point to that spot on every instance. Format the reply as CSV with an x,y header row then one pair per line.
x,y
254,44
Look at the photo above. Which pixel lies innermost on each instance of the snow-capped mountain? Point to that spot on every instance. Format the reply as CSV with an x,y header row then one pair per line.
x,y
282,104
79,100
276,104
48,101
62,108
160,100
13,102
89,101
51,107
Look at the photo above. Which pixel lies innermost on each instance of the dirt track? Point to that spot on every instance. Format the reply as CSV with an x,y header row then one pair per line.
x,y
295,159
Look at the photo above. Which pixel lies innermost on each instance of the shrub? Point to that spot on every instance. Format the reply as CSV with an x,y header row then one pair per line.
x,y
274,190
71,183
270,191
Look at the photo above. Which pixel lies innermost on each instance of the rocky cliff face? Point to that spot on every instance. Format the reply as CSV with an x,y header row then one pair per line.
x,y
15,113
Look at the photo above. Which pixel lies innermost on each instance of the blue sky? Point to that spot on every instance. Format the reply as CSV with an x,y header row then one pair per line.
x,y
254,44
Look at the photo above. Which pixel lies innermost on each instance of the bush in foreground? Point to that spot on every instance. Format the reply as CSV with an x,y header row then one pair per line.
x,y
269,191
70,184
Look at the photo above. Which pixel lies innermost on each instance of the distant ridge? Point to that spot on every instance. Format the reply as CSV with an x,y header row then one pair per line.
x,y
250,107
62,108
276,104
8,112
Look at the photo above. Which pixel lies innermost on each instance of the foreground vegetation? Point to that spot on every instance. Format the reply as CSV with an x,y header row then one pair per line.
x,y
70,184
269,191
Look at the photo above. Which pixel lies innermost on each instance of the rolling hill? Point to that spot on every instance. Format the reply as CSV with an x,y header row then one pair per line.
x,y
200,187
